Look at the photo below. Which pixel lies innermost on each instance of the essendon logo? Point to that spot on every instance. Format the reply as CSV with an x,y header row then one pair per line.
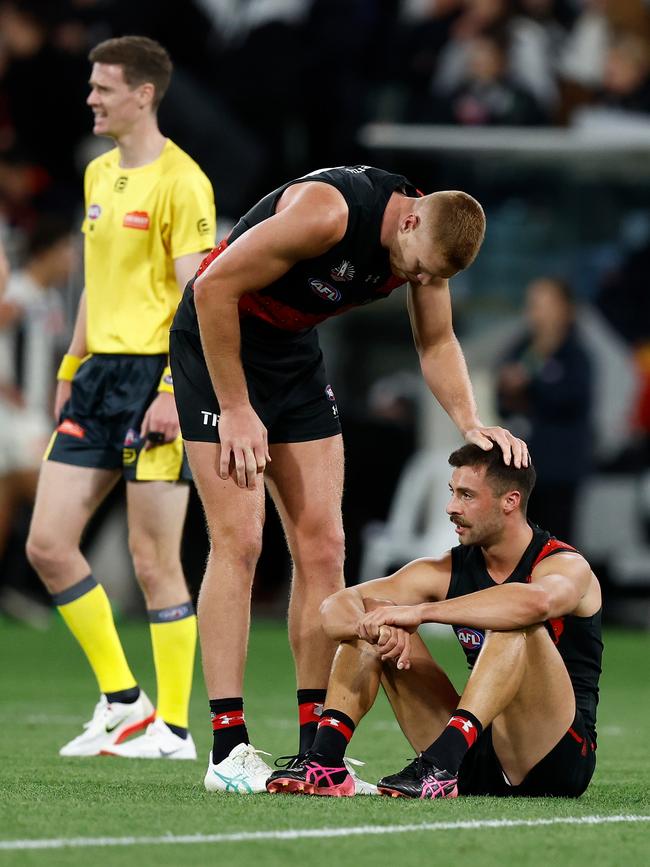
x,y
71,428
136,220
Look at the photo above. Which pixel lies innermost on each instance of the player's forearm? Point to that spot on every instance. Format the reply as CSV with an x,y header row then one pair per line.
x,y
218,317
78,345
445,372
506,607
340,614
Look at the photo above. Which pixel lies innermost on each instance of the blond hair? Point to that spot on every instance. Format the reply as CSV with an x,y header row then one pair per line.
x,y
455,222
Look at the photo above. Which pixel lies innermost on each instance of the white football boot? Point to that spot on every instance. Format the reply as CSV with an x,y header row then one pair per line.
x,y
361,787
158,742
111,723
242,771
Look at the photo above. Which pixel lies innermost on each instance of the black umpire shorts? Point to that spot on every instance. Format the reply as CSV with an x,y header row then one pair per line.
x,y
286,379
565,772
99,426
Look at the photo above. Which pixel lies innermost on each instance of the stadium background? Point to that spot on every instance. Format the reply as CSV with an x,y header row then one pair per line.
x,y
539,108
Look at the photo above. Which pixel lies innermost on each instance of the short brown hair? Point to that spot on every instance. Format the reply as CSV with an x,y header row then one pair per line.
x,y
142,59
458,227
501,477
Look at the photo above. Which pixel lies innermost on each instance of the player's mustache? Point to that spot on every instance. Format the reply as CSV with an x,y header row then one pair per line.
x,y
458,522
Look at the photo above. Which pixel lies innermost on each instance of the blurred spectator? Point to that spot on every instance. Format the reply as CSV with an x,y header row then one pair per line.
x,y
31,330
545,393
488,95
538,31
583,58
476,17
626,80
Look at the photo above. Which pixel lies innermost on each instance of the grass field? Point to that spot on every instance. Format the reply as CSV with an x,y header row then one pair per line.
x,y
46,692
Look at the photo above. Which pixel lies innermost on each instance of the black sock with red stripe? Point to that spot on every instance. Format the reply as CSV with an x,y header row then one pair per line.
x,y
310,711
228,726
333,736
448,751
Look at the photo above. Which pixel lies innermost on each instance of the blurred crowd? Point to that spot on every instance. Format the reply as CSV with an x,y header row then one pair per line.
x,y
267,89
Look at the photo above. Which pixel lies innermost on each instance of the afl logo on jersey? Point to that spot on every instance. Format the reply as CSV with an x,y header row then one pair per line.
x,y
329,391
471,639
94,212
329,293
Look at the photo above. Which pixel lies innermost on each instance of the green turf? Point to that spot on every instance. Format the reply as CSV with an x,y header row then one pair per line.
x,y
46,692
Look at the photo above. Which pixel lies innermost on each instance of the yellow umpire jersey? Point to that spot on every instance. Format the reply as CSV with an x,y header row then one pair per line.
x,y
137,222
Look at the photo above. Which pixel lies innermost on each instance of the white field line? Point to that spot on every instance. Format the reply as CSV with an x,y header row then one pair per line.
x,y
311,833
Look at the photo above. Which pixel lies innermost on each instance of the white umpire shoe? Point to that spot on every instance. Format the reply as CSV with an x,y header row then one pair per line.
x,y
242,771
361,787
111,723
158,742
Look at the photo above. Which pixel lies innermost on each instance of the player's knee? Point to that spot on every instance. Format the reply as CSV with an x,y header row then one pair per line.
x,y
322,555
238,546
496,638
48,556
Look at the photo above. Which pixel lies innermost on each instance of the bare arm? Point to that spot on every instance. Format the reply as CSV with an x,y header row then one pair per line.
x,y
417,582
161,417
77,348
558,586
445,372
314,221
4,271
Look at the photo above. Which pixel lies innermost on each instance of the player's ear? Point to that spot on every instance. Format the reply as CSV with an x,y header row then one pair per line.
x,y
409,222
146,93
511,501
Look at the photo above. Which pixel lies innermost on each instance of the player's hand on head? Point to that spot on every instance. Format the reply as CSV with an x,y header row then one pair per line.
x,y
160,423
514,450
244,446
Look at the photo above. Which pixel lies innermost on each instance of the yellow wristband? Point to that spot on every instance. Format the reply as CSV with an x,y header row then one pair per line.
x,y
68,367
166,383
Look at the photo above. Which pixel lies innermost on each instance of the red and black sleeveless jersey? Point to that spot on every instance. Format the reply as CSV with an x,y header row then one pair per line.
x,y
578,639
353,272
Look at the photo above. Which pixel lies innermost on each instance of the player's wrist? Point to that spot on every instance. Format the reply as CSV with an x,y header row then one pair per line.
x,y
68,368
166,384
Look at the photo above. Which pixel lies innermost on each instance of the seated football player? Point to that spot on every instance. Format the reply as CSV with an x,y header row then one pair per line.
x,y
526,609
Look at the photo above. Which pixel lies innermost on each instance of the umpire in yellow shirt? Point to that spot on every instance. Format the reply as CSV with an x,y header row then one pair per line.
x,y
149,217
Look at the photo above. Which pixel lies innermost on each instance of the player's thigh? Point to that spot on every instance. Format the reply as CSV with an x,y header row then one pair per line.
x,y
541,712
67,496
422,697
305,480
156,515
234,515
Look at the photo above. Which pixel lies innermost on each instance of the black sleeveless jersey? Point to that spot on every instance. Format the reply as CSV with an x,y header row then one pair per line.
x,y
354,271
578,639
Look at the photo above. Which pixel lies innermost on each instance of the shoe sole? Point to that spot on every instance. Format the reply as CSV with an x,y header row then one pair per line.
x,y
128,731
287,786
394,793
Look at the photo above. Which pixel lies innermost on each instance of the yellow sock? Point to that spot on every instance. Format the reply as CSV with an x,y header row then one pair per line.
x,y
87,613
173,637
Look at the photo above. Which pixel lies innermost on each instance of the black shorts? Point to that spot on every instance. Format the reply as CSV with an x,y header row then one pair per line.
x,y
99,426
565,772
286,379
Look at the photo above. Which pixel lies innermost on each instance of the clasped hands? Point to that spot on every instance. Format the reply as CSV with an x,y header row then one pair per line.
x,y
389,628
